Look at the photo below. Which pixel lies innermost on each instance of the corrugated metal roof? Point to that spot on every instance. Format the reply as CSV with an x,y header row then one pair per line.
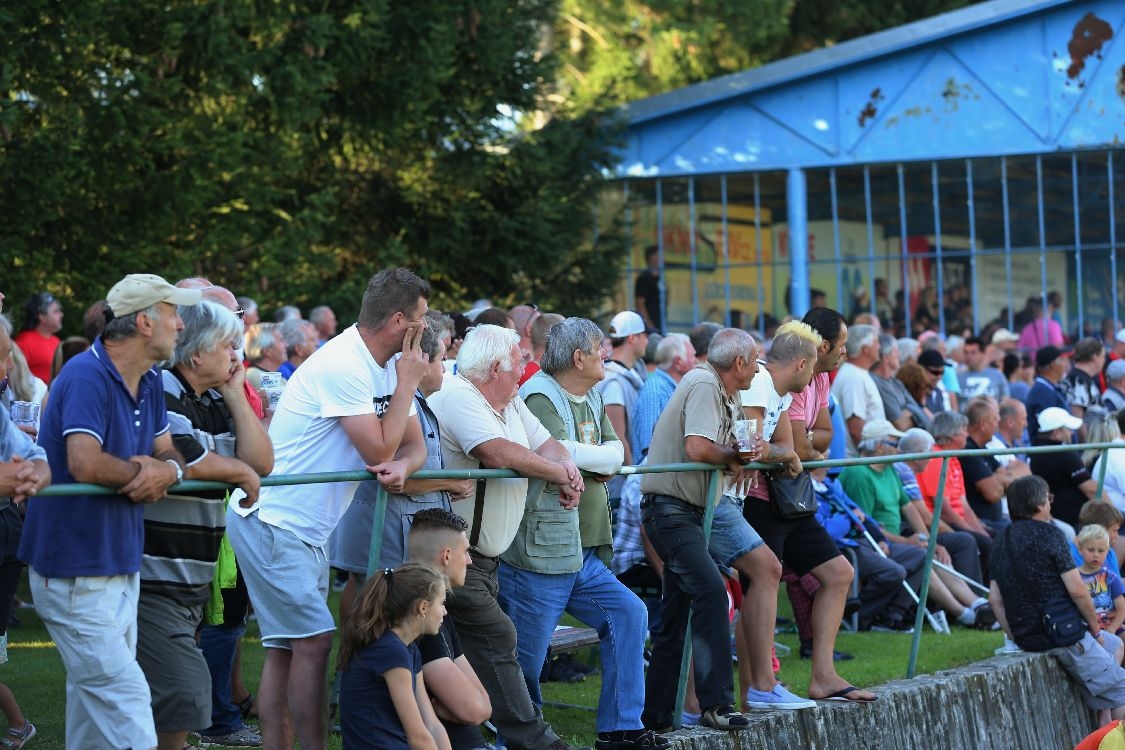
x,y
851,52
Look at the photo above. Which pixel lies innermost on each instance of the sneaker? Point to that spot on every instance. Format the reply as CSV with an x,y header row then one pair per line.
x,y
903,627
646,740
1009,647
724,717
244,737
986,618
688,719
17,738
777,699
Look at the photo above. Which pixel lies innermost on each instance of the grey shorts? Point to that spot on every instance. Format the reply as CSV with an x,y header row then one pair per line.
x,y
731,536
287,580
1094,667
173,664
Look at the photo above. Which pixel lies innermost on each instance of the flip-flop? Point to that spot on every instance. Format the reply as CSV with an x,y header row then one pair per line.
x,y
842,696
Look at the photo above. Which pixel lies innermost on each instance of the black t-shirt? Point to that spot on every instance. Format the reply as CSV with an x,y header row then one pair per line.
x,y
976,468
445,645
1027,562
648,288
1063,472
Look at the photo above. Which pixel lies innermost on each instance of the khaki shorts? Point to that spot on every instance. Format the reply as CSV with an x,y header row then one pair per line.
x,y
1094,667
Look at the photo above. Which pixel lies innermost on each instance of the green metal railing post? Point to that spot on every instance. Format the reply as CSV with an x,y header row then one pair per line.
x,y
376,549
927,571
1101,474
714,490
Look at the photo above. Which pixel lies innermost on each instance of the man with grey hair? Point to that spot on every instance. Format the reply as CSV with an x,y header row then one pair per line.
x,y
287,312
854,389
216,430
1114,397
675,357
908,350
542,578
899,406
105,423
696,425
300,337
485,425
349,407
324,320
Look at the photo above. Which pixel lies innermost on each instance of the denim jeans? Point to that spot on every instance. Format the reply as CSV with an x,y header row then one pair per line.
x,y
489,642
220,645
692,587
593,596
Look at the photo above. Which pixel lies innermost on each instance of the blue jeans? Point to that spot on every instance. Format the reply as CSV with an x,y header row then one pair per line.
x,y
220,644
692,587
593,596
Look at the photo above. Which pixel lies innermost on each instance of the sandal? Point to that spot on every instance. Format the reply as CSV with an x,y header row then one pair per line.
x,y
246,706
14,738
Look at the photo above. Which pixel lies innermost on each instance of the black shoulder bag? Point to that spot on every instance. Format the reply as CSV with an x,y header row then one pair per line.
x,y
791,498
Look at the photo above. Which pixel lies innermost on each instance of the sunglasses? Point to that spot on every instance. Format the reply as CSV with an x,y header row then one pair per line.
x,y
936,373
241,313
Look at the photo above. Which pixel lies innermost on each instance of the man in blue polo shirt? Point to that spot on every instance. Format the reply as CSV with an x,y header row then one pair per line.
x,y
106,424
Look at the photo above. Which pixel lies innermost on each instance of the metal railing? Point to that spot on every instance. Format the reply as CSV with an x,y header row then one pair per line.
x,y
714,490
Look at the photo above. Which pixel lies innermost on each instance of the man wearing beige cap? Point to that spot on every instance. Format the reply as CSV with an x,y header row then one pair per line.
x,y
105,423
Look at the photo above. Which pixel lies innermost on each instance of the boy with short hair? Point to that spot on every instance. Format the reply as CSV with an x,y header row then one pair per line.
x,y
1104,585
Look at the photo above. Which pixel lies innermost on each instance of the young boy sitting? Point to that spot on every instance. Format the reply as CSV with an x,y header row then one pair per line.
x,y
1104,514
1104,585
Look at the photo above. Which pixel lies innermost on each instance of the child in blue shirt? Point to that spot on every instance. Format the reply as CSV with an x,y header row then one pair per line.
x,y
383,701
1104,585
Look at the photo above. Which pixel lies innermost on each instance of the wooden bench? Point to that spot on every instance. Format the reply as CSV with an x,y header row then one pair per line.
x,y
567,639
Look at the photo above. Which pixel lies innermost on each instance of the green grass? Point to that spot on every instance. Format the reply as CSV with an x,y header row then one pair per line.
x,y
35,673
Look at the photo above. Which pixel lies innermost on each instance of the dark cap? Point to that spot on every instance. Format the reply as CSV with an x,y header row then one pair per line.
x,y
1046,355
931,359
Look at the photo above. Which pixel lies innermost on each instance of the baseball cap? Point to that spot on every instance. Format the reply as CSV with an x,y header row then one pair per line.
x,y
1052,418
140,290
877,429
1120,336
1047,354
931,359
1004,336
1115,370
626,323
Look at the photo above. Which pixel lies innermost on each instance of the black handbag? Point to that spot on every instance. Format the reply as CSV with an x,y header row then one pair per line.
x,y
791,498
1064,624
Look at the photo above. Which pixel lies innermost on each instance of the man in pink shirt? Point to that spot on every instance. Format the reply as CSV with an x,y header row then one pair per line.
x,y
808,413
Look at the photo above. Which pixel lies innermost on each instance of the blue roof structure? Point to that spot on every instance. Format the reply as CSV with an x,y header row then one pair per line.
x,y
1000,78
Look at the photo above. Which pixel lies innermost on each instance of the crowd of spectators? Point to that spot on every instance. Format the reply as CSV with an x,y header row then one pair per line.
x,y
168,385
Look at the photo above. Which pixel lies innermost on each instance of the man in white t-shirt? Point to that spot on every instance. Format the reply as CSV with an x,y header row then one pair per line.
x,y
485,425
345,409
802,544
854,389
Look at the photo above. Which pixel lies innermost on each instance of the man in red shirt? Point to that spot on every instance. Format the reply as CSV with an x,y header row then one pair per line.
x,y
42,320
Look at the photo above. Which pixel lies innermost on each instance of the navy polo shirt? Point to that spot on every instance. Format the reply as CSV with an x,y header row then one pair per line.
x,y
69,536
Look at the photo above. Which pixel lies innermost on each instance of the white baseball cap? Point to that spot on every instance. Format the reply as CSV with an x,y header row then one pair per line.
x,y
1052,418
626,323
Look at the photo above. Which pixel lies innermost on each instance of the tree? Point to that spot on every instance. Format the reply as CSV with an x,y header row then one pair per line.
x,y
289,150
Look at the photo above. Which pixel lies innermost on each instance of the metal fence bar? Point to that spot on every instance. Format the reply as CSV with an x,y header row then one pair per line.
x,y
905,251
868,219
1112,233
758,246
935,191
974,281
1007,240
1077,241
1042,248
927,571
663,285
692,251
375,551
726,245
836,237
1101,474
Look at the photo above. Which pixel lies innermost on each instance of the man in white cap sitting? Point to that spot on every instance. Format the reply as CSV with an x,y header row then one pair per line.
x,y
105,423
1066,475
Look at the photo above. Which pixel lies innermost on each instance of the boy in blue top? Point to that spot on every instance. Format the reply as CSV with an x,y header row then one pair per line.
x,y
1105,514
1104,585
106,424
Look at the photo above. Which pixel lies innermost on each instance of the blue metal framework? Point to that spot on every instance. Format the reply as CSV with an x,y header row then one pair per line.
x,y
1007,113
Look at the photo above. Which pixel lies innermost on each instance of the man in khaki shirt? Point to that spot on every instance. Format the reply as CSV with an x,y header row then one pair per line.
x,y
695,426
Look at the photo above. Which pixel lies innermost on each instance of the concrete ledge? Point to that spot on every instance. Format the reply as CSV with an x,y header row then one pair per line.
x,y
1022,700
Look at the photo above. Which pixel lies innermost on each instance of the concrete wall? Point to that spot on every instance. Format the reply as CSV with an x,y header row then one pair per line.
x,y
1024,701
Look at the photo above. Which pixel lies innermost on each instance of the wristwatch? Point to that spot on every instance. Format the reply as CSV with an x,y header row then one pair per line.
x,y
179,469
923,536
